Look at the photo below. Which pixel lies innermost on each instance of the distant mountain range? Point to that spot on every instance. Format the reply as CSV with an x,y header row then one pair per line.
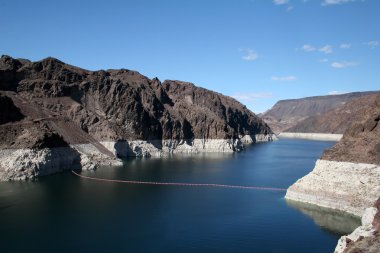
x,y
314,114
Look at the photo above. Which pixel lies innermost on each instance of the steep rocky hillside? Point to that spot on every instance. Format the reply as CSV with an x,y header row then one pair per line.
x,y
347,177
287,113
117,105
9,112
337,120
361,141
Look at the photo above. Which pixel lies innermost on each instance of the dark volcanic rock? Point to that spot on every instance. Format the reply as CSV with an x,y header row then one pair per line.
x,y
86,106
32,135
212,115
287,113
9,112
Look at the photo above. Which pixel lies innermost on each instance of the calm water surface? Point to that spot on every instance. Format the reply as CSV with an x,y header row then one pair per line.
x,y
63,213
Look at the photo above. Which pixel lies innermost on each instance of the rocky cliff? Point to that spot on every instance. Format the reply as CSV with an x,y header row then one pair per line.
x,y
347,178
360,142
286,114
50,104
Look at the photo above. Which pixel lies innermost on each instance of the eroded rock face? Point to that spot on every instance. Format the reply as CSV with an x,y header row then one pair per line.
x,y
125,105
344,186
360,142
35,135
116,112
347,178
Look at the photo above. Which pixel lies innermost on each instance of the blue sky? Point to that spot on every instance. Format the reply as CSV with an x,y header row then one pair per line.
x,y
258,51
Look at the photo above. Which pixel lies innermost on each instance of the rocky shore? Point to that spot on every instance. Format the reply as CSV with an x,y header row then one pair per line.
x,y
365,238
347,178
344,186
311,136
158,148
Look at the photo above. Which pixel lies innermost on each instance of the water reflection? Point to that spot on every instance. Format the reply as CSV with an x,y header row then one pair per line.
x,y
106,217
333,221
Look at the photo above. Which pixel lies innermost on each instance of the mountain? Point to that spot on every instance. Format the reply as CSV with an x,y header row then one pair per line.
x,y
347,177
286,114
338,119
51,104
361,141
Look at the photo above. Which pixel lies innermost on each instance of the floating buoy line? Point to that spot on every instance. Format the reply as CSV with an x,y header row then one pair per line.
x,y
179,184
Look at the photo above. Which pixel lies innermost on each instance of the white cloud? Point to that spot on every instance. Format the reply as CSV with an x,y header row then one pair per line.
x,y
283,78
251,55
335,92
251,97
308,48
324,60
344,64
334,2
279,2
372,43
326,49
290,8
345,45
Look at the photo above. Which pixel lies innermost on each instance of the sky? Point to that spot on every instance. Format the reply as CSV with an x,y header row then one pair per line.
x,y
257,51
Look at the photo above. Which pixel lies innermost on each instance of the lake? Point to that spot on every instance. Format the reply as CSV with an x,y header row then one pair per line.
x,y
64,213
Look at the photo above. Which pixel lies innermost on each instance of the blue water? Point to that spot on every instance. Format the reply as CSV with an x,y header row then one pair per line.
x,y
64,213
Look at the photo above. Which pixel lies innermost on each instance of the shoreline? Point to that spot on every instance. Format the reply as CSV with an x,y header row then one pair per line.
x,y
344,186
352,188
311,136
29,163
159,148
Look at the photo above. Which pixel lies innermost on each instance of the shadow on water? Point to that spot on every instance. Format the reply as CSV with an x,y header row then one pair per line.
x,y
332,221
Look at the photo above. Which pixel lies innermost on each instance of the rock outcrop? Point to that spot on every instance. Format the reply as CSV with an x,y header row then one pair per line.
x,y
366,238
344,186
347,178
361,142
100,114
285,115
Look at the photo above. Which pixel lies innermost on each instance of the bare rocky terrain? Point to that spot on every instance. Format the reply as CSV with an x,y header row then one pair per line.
x,y
51,104
337,120
366,244
361,141
348,175
305,114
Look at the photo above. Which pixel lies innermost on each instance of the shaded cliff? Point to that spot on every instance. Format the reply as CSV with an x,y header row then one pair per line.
x,y
9,112
286,114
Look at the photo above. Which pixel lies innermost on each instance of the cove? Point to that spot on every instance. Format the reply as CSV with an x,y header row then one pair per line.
x,y
64,213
